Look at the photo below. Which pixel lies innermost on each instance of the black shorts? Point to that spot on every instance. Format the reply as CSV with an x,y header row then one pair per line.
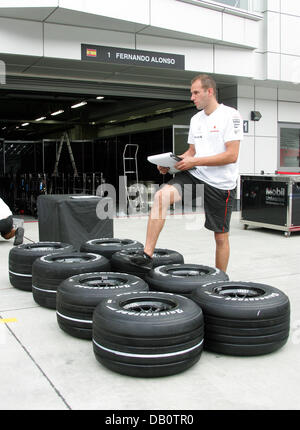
x,y
6,225
218,203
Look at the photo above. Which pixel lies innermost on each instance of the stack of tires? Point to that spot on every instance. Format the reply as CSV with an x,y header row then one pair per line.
x,y
121,260
149,323
50,270
79,295
109,246
183,278
148,334
243,318
22,257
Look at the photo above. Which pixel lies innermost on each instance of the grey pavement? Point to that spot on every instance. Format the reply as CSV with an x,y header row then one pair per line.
x,y
42,367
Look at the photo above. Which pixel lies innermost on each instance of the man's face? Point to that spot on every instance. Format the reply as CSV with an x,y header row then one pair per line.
x,y
199,96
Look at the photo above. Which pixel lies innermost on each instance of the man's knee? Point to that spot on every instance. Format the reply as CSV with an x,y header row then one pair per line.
x,y
166,196
221,239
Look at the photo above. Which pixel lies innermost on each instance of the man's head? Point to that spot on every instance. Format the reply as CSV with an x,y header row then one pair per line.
x,y
203,91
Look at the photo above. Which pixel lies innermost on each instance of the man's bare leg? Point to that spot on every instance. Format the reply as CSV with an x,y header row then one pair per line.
x,y
222,250
162,201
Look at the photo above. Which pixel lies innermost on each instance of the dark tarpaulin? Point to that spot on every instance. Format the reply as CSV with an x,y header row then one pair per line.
x,y
72,220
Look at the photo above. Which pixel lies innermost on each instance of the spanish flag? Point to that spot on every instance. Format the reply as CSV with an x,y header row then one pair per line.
x,y
91,52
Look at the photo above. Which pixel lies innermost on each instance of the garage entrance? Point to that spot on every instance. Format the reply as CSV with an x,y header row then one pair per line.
x,y
98,125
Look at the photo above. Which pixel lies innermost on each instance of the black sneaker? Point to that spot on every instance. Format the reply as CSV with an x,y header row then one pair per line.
x,y
142,259
19,235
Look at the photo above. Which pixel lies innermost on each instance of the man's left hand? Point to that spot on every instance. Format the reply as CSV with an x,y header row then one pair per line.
x,y
185,164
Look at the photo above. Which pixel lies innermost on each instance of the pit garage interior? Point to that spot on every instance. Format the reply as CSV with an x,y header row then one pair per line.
x,y
104,121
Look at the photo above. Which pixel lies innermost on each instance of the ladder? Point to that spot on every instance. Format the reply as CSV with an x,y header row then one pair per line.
x,y
64,137
130,169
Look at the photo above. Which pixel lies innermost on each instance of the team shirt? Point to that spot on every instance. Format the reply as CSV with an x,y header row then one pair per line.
x,y
5,212
209,134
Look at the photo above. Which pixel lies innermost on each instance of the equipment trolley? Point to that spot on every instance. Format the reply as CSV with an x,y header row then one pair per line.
x,y
271,201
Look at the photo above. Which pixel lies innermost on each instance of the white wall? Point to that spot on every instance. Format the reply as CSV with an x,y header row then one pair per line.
x,y
211,40
72,38
132,10
64,41
20,36
280,40
228,44
259,148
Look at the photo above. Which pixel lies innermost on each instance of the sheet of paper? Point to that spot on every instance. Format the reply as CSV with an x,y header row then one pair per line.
x,y
166,159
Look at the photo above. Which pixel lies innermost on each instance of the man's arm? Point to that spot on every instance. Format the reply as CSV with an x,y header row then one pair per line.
x,y
230,155
189,153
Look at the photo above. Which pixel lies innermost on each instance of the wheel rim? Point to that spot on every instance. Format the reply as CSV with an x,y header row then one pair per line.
x,y
101,282
43,247
148,305
69,260
109,242
237,292
188,272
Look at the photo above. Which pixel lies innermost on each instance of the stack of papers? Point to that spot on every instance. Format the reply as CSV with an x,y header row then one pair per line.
x,y
166,159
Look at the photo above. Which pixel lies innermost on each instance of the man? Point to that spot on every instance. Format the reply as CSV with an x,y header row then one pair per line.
x,y
7,229
214,140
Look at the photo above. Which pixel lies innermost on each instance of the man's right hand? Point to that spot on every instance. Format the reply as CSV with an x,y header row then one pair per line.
x,y
163,170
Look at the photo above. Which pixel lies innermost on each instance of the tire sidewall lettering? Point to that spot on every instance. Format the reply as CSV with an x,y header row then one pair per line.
x,y
147,314
246,299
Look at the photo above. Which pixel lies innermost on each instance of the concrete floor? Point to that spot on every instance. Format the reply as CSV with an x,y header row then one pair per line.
x,y
42,367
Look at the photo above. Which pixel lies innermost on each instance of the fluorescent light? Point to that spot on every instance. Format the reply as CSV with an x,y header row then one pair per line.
x,y
57,112
99,97
165,110
24,124
78,105
41,118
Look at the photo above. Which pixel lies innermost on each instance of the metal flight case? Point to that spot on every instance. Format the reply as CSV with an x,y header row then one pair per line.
x,y
271,201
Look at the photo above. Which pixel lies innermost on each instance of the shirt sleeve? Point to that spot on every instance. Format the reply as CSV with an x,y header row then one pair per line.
x,y
191,135
234,127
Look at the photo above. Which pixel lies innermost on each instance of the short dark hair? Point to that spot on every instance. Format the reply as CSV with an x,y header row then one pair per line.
x,y
206,82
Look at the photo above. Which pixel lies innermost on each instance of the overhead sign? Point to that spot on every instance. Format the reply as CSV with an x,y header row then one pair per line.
x,y
136,57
